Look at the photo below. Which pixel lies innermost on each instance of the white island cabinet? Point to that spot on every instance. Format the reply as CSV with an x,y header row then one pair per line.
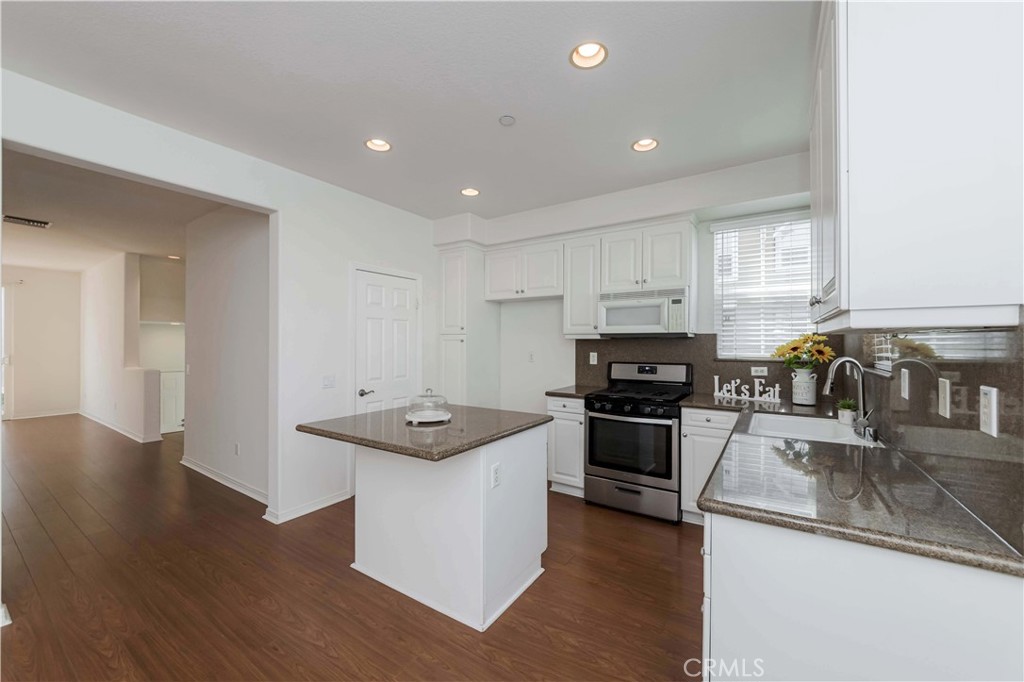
x,y
451,515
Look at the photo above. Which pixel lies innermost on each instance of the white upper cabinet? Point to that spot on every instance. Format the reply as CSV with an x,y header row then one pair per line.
x,y
453,292
650,258
916,174
581,285
533,271
621,255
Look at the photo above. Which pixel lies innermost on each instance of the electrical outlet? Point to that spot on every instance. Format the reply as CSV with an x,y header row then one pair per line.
x,y
944,397
238,450
593,358
905,384
329,381
988,410
495,474
758,371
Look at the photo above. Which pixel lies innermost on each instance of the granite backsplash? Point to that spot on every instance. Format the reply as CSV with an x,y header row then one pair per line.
x,y
985,473
699,350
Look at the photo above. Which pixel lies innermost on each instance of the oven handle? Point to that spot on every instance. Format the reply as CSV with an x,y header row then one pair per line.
x,y
632,420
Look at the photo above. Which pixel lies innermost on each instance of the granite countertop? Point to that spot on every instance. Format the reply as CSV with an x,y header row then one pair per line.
x,y
469,428
875,496
573,391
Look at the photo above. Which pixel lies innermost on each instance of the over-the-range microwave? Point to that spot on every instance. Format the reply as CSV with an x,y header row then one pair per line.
x,y
644,313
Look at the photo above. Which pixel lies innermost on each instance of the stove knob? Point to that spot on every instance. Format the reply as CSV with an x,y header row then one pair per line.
x,y
660,411
646,409
627,408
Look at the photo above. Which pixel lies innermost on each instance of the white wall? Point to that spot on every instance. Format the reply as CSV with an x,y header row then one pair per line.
x,y
115,391
227,304
161,289
44,314
162,346
533,326
317,229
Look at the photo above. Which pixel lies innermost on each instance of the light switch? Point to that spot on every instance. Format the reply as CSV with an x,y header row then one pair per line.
x,y
988,410
758,371
593,358
944,397
905,384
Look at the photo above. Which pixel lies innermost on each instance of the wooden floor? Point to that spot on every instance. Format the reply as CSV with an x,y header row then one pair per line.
x,y
120,563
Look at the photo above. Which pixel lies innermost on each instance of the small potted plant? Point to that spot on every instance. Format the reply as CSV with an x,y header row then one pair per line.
x,y
847,410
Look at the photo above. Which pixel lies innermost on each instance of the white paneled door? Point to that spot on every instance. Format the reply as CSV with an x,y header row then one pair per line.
x,y
387,341
172,402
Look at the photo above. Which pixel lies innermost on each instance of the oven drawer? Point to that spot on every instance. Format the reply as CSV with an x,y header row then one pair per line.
x,y
574,405
709,419
662,504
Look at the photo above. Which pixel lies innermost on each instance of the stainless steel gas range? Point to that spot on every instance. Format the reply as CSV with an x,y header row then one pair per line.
x,y
631,438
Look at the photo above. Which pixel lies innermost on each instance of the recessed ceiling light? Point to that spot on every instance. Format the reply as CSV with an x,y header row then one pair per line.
x,y
645,145
588,55
175,257
470,192
378,145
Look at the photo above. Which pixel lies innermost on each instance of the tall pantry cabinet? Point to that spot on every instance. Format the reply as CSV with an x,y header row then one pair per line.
x,y
470,331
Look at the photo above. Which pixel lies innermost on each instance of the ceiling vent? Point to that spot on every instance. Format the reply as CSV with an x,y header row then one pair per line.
x,y
31,222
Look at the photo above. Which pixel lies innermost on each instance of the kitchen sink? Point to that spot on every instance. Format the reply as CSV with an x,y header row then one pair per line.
x,y
805,428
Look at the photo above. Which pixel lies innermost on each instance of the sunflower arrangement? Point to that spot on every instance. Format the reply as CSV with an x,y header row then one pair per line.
x,y
806,352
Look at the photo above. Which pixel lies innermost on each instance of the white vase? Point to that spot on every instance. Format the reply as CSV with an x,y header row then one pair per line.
x,y
805,388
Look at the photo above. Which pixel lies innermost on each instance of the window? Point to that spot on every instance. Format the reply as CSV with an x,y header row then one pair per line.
x,y
762,283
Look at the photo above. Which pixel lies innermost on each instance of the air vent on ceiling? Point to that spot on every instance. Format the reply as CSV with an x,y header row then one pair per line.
x,y
31,222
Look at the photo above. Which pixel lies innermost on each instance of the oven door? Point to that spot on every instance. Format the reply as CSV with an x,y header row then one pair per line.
x,y
633,449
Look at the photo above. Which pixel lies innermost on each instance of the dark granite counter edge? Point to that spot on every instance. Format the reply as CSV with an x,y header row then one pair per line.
x,y
934,550
577,391
417,452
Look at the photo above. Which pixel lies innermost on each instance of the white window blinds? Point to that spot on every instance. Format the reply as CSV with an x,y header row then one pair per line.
x,y
762,284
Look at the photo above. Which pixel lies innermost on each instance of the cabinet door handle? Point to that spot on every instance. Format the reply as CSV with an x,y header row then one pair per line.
x,y
707,419
462,328
595,326
685,435
645,280
637,282
814,300
462,340
581,423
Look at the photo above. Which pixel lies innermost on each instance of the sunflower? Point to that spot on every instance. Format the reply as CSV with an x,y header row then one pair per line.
x,y
812,338
822,353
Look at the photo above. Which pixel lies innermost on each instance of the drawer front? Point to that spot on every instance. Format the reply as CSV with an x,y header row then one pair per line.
x,y
709,419
573,405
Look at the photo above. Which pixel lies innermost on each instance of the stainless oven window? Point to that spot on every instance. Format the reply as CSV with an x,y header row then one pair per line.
x,y
631,446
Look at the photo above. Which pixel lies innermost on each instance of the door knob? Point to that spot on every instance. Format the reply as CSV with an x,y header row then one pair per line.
x,y
363,392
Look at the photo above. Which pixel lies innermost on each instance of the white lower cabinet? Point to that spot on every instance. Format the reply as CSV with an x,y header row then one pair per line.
x,y
699,450
791,605
565,446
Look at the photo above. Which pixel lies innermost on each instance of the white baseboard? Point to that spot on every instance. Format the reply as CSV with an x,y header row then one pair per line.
x,y
5,615
566,489
534,573
275,516
224,479
138,438
690,517
37,415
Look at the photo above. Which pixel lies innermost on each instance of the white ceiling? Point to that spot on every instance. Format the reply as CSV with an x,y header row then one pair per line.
x,y
304,84
94,215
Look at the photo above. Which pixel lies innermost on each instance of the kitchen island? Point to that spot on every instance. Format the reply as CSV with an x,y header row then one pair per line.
x,y
452,515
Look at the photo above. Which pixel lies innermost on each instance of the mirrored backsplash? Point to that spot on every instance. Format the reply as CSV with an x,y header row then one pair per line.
x,y
985,472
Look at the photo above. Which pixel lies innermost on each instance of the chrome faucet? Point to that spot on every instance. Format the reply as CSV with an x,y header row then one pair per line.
x,y
860,427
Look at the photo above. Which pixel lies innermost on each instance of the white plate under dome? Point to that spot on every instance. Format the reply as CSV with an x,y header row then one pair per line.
x,y
428,416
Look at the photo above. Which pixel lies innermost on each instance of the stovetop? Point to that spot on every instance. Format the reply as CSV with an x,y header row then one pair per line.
x,y
633,390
